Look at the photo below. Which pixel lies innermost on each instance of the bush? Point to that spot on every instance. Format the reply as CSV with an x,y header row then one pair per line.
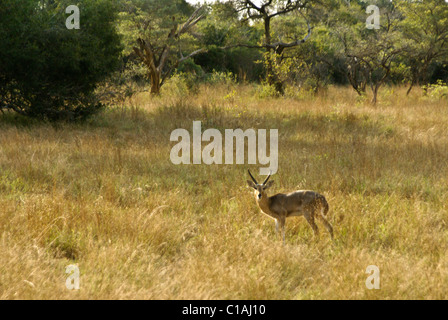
x,y
222,78
123,84
48,71
266,90
180,84
299,93
437,90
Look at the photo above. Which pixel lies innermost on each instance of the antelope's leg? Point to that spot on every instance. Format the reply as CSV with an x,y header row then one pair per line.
x,y
309,216
282,225
326,224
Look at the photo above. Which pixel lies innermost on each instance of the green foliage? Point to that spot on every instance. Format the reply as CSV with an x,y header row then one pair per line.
x,y
369,55
48,71
242,62
189,66
437,90
159,34
425,33
279,66
222,78
123,84
266,90
212,35
317,61
184,83
300,93
222,28
149,18
180,84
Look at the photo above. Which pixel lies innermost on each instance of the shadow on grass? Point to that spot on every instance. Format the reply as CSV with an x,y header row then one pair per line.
x,y
8,119
333,146
163,120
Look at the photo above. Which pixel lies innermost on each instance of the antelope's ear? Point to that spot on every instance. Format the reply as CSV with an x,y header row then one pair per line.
x,y
268,185
251,184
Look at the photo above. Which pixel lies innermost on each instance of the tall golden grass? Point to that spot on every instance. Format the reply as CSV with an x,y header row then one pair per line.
x,y
105,196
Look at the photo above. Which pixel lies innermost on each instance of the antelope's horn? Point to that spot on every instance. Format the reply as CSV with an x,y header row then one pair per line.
x,y
266,179
253,179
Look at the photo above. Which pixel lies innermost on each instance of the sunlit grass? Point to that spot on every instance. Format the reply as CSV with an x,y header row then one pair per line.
x,y
104,195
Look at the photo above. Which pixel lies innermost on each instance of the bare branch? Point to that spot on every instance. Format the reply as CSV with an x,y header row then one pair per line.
x,y
202,50
290,6
192,21
274,46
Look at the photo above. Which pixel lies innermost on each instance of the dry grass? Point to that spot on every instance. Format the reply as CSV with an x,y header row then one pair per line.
x,y
104,195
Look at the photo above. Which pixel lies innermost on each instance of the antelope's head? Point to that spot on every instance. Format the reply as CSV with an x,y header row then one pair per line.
x,y
260,189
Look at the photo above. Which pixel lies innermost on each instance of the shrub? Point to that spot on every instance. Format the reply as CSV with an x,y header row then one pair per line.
x,y
437,90
123,84
299,93
222,78
48,71
180,84
266,90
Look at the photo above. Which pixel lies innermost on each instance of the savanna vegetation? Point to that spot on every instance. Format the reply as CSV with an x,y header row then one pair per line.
x,y
85,170
104,195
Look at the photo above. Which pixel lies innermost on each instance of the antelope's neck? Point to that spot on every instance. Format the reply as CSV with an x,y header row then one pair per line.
x,y
264,204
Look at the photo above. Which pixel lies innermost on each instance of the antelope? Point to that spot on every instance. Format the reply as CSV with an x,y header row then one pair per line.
x,y
310,204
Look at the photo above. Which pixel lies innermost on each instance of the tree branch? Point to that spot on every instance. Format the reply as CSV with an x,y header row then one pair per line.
x,y
192,54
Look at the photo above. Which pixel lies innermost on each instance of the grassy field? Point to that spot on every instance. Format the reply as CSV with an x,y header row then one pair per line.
x,y
104,195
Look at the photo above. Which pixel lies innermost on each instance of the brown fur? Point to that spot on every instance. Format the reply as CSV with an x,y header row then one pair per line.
x,y
310,204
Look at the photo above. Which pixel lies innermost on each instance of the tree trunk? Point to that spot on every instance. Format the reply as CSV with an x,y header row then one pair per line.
x,y
269,62
271,77
156,65
374,98
375,93
155,82
410,87
279,87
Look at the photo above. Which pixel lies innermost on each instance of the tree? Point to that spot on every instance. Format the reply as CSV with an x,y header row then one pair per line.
x,y
48,71
223,26
160,38
370,55
266,12
425,29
